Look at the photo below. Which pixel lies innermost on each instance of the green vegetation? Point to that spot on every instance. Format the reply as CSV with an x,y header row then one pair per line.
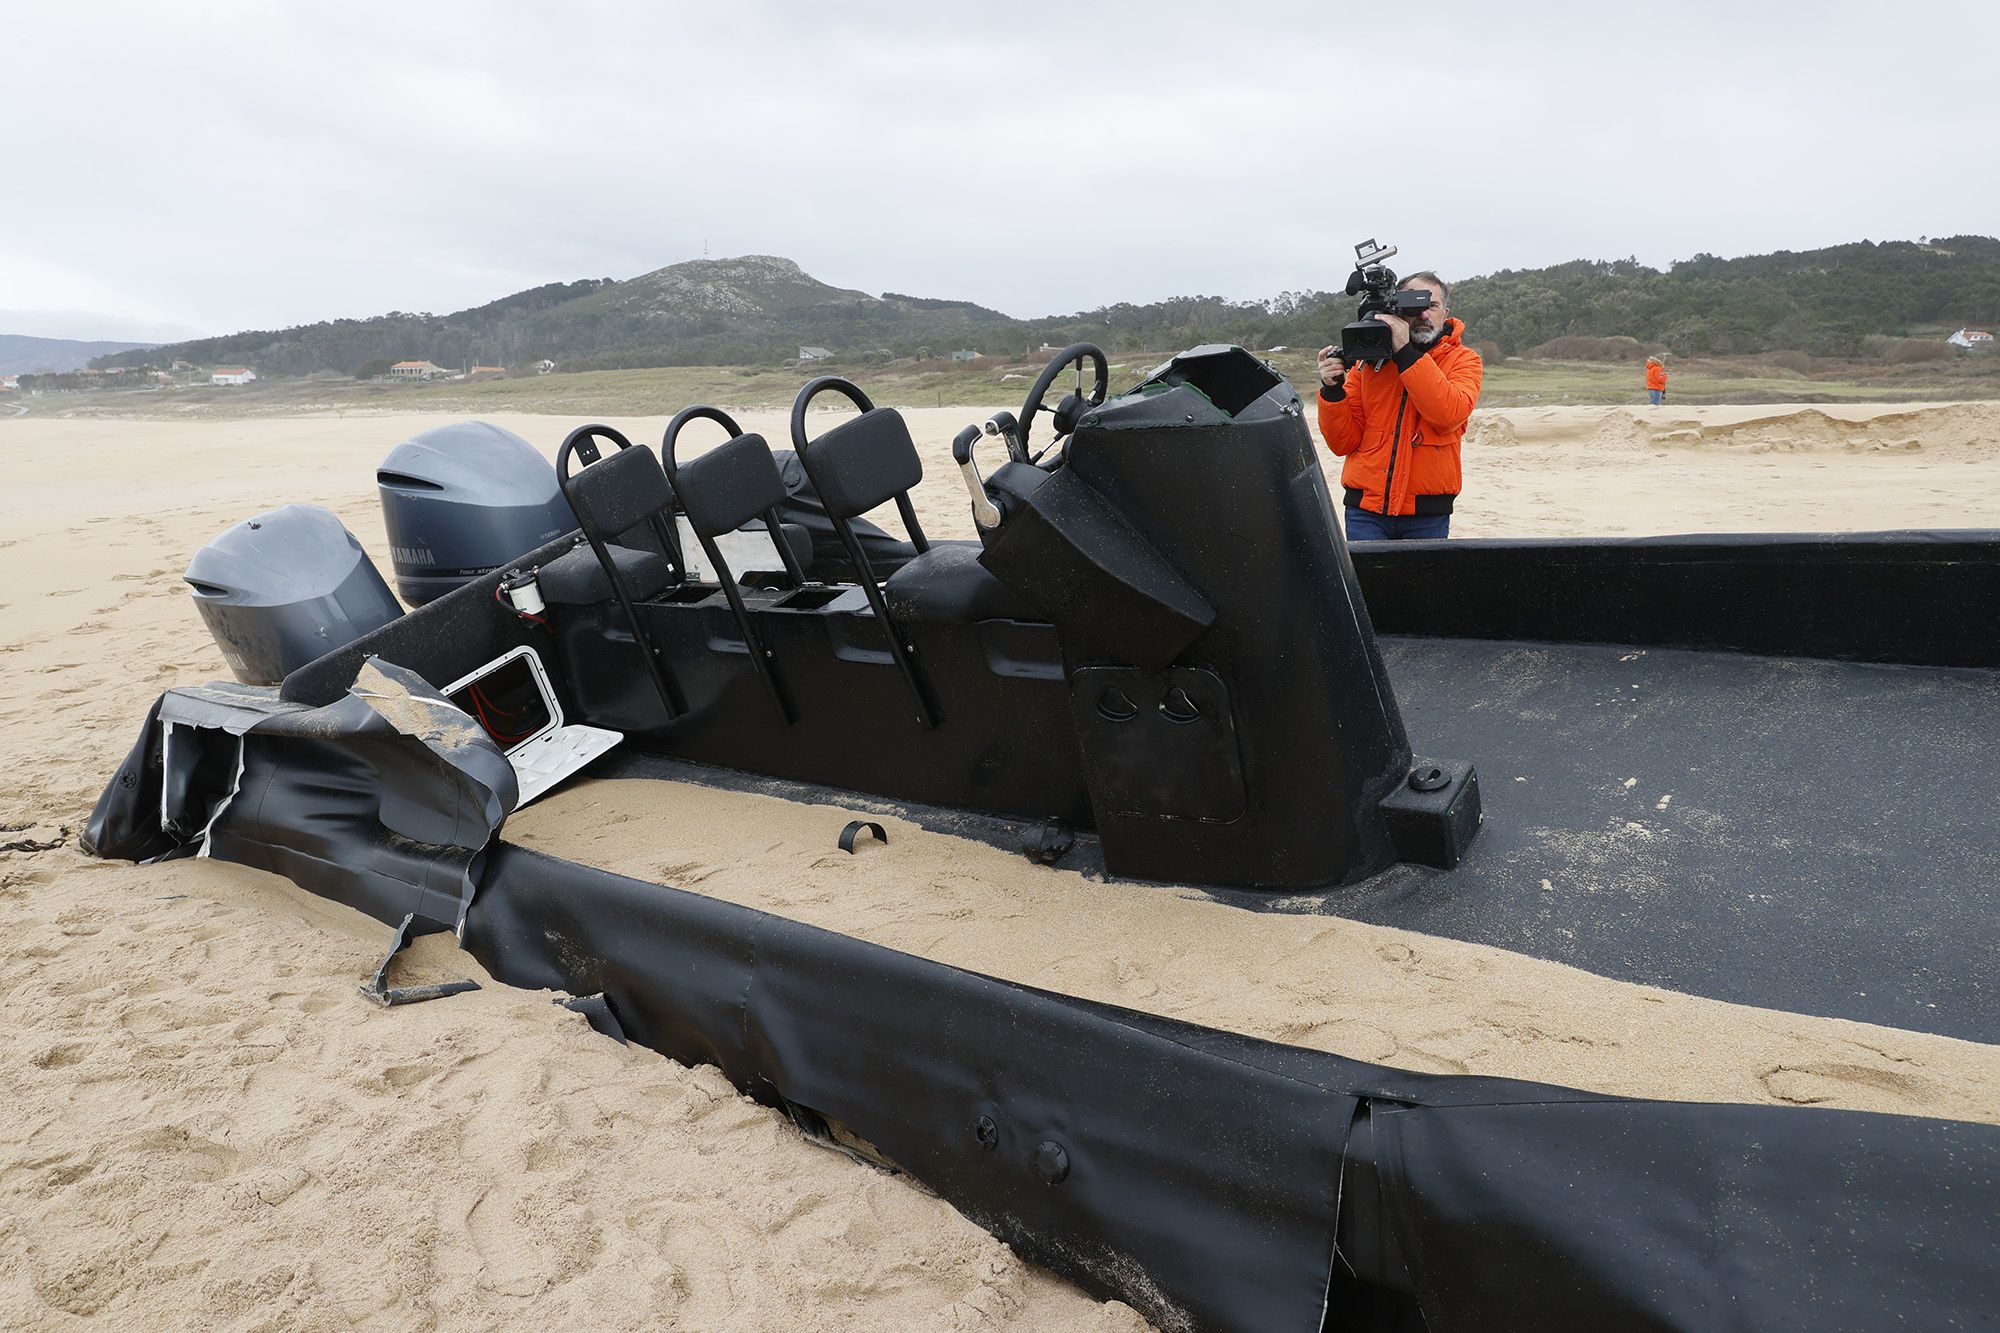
x,y
1825,303
502,332
1852,321
980,386
1891,302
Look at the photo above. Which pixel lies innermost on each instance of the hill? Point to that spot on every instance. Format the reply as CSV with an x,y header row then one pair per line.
x,y
757,308
1845,301
498,333
21,355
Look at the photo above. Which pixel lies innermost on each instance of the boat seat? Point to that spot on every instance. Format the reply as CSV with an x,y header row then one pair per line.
x,y
864,462
805,510
867,461
720,492
734,487
576,578
613,494
729,485
948,585
620,492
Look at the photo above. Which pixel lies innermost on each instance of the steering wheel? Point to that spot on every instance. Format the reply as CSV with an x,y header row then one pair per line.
x,y
1073,405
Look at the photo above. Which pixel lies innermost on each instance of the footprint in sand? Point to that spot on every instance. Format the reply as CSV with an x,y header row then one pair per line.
x,y
1397,955
1342,1036
62,1056
273,1187
529,1240
174,1016
404,1076
179,1151
1830,1080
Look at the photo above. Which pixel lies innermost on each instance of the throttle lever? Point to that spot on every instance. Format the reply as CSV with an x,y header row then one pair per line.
x,y
1008,429
985,513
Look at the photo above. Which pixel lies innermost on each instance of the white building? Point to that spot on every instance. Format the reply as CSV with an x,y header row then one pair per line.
x,y
231,375
814,354
414,370
1970,338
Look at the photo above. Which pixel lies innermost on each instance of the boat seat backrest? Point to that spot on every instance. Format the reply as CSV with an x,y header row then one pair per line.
x,y
863,462
729,486
619,492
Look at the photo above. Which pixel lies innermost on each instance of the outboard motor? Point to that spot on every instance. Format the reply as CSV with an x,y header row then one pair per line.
x,y
284,588
462,500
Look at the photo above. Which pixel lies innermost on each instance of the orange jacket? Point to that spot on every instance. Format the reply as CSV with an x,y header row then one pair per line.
x,y
1398,426
1656,376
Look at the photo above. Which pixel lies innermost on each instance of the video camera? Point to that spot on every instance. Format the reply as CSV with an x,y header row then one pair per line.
x,y
1366,340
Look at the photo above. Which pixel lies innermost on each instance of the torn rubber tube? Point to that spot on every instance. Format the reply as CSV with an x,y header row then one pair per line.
x,y
1210,1180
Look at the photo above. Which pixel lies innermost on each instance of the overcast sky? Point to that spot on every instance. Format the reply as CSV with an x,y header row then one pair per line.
x,y
174,169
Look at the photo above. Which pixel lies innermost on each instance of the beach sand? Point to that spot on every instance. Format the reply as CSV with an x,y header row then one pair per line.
x,y
208,1126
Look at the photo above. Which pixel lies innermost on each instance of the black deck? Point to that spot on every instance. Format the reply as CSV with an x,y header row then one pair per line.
x,y
1831,846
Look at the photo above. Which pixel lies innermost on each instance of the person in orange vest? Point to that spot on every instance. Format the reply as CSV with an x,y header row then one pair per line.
x,y
1399,424
1656,381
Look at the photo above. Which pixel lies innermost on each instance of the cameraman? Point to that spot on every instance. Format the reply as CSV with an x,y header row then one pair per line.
x,y
1398,424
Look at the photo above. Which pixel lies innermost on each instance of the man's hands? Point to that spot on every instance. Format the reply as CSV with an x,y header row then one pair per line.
x,y
1332,367
1399,330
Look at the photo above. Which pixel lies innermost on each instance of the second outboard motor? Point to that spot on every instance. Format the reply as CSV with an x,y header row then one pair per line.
x,y
462,500
284,588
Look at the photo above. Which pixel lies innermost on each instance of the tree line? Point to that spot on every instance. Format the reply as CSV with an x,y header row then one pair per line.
x,y
1828,302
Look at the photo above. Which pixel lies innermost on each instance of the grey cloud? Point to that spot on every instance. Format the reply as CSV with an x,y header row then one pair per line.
x,y
274,165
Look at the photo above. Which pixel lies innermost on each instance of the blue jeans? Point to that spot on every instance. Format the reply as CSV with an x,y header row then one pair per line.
x,y
1657,395
1363,526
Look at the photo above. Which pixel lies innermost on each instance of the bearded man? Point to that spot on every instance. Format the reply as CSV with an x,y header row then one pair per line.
x,y
1399,424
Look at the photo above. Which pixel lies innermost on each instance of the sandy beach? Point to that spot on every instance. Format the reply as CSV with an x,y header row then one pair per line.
x,y
209,1127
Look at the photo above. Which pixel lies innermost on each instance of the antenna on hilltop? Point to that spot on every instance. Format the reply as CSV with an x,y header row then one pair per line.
x,y
704,247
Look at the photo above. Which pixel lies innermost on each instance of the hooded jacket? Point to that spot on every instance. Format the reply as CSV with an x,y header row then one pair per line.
x,y
1656,375
1398,425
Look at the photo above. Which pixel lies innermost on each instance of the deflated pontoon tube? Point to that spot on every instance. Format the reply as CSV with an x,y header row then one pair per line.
x,y
1922,598
1206,1178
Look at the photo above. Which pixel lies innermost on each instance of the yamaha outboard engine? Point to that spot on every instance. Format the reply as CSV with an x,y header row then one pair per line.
x,y
284,588
462,500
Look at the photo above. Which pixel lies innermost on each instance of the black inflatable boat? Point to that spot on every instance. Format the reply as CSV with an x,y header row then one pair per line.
x,y
1769,762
